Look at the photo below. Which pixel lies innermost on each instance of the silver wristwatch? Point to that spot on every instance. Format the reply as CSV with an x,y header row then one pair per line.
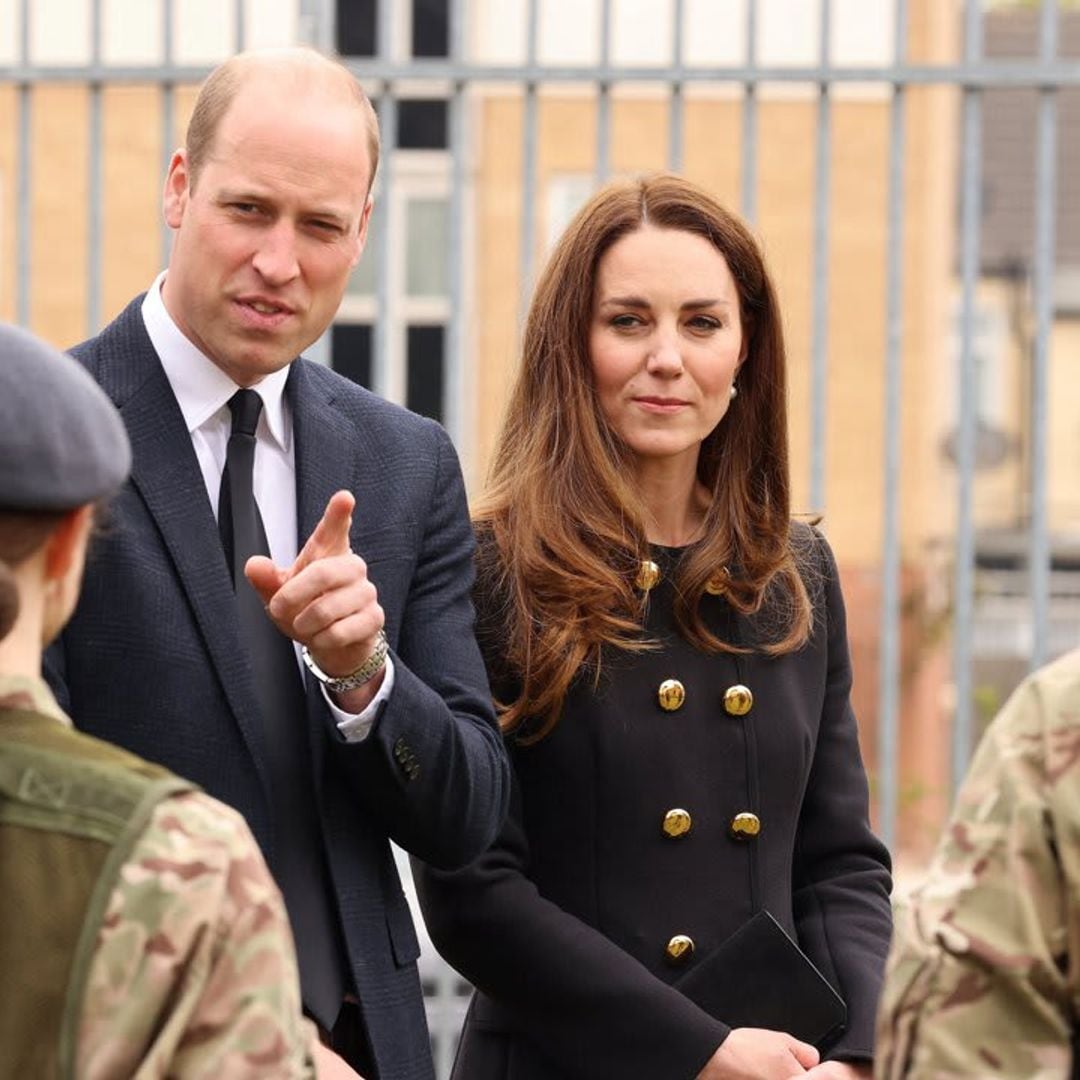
x,y
364,673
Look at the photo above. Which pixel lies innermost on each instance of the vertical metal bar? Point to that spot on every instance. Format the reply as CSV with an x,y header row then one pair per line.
x,y
1043,282
820,284
94,186
456,400
749,119
320,18
676,117
168,116
528,183
970,214
603,98
239,26
319,23
386,331
23,224
889,670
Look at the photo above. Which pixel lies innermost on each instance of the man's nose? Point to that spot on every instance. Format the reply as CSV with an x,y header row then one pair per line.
x,y
275,259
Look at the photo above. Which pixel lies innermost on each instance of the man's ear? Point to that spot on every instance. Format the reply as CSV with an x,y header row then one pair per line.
x,y
177,189
365,219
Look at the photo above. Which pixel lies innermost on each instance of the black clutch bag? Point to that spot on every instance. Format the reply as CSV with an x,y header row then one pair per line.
x,y
759,977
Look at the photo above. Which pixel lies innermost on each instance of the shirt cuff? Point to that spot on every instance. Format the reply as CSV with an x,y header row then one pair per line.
x,y
356,727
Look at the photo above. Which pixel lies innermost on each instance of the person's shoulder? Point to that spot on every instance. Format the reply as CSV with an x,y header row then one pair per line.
x,y
1060,679
1041,720
122,332
204,826
194,865
195,930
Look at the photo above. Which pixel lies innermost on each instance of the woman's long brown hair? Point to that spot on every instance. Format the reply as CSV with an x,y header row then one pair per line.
x,y
561,504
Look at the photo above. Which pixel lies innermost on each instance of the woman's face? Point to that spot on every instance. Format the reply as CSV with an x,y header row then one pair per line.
x,y
665,341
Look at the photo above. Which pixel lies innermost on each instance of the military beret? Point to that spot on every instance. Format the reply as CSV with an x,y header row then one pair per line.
x,y
62,442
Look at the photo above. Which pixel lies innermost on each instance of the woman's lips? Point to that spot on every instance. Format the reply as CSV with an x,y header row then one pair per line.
x,y
661,405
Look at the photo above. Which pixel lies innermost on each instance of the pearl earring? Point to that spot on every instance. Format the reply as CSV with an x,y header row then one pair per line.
x,y
734,391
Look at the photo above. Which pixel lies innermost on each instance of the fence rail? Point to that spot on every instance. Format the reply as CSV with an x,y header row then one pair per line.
x,y
1031,589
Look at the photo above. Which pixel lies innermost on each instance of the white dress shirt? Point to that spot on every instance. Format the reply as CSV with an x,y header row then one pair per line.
x,y
203,391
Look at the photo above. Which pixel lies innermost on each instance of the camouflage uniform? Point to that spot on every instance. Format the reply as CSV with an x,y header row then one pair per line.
x,y
194,972
984,975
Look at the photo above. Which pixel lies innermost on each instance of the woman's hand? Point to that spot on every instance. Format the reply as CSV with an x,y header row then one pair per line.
x,y
840,1070
760,1054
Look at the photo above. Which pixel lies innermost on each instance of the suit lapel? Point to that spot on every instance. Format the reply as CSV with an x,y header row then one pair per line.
x,y
325,451
165,472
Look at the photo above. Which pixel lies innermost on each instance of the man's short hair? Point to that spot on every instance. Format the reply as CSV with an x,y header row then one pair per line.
x,y
225,81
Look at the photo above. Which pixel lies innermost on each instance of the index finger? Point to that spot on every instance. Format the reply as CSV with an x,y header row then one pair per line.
x,y
331,535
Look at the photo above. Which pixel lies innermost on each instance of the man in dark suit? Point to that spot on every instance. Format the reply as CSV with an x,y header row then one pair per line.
x,y
314,669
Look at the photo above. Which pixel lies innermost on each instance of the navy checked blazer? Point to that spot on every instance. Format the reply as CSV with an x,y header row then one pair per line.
x,y
152,658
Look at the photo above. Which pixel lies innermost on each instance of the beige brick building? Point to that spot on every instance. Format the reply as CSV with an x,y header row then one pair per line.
x,y
133,245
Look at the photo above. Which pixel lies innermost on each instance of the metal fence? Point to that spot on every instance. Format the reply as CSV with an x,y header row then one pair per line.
x,y
456,77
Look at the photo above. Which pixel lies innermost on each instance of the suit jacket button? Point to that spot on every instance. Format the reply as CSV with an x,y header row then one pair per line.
x,y
738,700
677,823
647,576
671,695
679,949
745,826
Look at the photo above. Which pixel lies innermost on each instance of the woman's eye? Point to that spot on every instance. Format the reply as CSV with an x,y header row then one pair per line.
x,y
625,322
705,322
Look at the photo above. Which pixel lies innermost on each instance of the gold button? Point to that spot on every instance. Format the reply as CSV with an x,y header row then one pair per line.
x,y
648,575
679,949
677,823
738,700
671,694
718,583
745,826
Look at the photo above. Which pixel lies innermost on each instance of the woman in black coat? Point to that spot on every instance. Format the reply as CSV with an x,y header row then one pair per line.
x,y
668,650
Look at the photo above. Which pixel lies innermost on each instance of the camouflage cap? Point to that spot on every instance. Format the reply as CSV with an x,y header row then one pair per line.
x,y
62,442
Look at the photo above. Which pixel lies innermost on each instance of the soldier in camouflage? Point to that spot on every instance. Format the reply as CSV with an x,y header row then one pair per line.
x,y
984,975
141,933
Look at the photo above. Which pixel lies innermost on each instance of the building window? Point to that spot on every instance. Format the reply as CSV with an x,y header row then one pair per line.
x,y
422,124
357,27
430,28
427,222
426,367
350,351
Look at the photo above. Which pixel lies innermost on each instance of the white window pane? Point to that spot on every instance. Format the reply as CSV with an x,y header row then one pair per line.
x,y
362,281
714,33
425,265
788,32
497,31
202,31
9,32
131,32
60,32
569,32
642,32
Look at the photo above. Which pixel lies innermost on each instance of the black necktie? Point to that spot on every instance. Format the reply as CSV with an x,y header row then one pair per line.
x,y
297,859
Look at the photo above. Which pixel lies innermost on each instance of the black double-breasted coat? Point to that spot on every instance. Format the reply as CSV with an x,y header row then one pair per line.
x,y
564,924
